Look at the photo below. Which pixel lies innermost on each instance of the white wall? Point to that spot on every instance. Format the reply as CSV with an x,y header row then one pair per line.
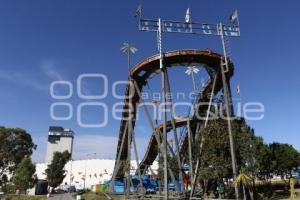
x,y
103,168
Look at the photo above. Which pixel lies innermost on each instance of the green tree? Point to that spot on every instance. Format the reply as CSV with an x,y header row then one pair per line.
x,y
215,162
16,143
25,176
263,162
284,158
3,182
215,153
55,171
254,158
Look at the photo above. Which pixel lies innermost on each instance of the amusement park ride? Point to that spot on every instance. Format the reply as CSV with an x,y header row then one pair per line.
x,y
220,70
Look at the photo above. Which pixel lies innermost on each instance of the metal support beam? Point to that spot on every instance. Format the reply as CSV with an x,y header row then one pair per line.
x,y
165,137
129,135
118,162
147,112
190,149
163,85
228,111
202,138
137,159
174,130
156,132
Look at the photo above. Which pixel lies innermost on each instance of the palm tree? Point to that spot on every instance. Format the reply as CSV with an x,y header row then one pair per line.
x,y
245,181
192,70
129,49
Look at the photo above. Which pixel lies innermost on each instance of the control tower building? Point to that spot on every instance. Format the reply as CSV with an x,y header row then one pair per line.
x,y
59,139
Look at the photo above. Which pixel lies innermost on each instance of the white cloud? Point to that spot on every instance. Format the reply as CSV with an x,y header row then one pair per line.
x,y
48,68
34,80
24,79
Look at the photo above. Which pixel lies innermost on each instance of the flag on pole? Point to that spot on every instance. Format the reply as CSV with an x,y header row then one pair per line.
x,y
138,11
188,18
234,17
238,89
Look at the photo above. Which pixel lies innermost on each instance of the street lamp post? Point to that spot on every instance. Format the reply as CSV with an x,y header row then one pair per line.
x,y
85,163
84,174
70,172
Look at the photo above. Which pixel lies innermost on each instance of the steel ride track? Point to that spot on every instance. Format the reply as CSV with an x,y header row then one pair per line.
x,y
140,75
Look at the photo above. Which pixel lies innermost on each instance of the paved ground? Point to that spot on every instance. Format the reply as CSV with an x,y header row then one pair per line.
x,y
61,197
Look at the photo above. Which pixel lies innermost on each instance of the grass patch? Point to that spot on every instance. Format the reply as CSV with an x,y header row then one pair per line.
x,y
94,196
22,197
283,196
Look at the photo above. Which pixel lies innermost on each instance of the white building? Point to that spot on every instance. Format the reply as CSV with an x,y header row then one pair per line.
x,y
59,139
80,173
96,171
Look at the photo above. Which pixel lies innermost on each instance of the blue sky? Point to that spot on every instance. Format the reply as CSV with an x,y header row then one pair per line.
x,y
50,40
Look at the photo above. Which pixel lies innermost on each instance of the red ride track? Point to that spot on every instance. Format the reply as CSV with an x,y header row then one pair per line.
x,y
141,73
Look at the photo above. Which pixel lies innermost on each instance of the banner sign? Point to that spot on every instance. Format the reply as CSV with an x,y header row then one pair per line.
x,y
189,28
